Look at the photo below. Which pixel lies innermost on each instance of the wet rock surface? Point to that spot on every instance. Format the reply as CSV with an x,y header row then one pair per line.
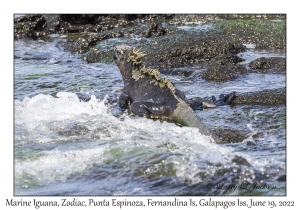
x,y
264,97
155,29
223,68
31,26
265,64
190,50
231,61
219,73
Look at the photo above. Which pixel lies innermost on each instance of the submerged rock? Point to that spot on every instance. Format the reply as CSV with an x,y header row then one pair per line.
x,y
264,64
229,135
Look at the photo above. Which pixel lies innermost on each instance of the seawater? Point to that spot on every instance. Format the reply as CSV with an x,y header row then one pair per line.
x,y
67,146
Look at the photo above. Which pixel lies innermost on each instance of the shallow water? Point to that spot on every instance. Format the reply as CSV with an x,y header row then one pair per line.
x,y
68,146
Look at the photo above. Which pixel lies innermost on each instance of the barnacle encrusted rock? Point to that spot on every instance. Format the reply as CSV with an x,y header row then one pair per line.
x,y
263,97
272,63
223,68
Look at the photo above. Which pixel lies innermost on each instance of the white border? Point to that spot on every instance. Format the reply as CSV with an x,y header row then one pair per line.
x,y
152,6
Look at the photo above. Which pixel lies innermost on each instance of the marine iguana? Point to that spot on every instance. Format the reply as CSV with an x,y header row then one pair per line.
x,y
148,95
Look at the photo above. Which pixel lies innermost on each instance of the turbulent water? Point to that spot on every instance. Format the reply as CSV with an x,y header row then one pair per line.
x,y
66,145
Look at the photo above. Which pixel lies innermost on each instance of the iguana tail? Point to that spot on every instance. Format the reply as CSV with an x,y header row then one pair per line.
x,y
185,116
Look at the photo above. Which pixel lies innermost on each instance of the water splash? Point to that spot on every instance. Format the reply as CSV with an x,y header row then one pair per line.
x,y
75,138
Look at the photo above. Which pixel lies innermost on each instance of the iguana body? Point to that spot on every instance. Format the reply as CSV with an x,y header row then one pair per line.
x,y
145,94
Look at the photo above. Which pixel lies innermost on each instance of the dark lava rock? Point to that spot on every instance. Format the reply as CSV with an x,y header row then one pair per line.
x,y
173,51
73,23
264,64
155,29
34,26
264,97
79,18
188,50
223,68
218,73
231,61
83,45
191,72
227,59
29,26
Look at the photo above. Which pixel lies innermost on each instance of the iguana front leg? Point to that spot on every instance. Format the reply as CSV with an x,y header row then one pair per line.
x,y
225,99
124,101
198,103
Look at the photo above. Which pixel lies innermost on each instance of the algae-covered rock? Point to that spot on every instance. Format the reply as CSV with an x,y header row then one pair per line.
x,y
264,33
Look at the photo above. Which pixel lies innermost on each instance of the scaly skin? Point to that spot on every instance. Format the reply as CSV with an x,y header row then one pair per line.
x,y
145,94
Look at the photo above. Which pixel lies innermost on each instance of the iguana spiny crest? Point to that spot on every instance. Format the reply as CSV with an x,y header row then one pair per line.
x,y
140,71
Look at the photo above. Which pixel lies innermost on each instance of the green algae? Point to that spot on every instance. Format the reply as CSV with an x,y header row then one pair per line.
x,y
23,154
36,76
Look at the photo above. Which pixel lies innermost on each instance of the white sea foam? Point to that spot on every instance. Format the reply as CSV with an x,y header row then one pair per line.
x,y
57,165
67,105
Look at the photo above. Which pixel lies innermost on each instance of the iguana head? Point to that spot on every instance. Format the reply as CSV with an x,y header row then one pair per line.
x,y
127,59
121,55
